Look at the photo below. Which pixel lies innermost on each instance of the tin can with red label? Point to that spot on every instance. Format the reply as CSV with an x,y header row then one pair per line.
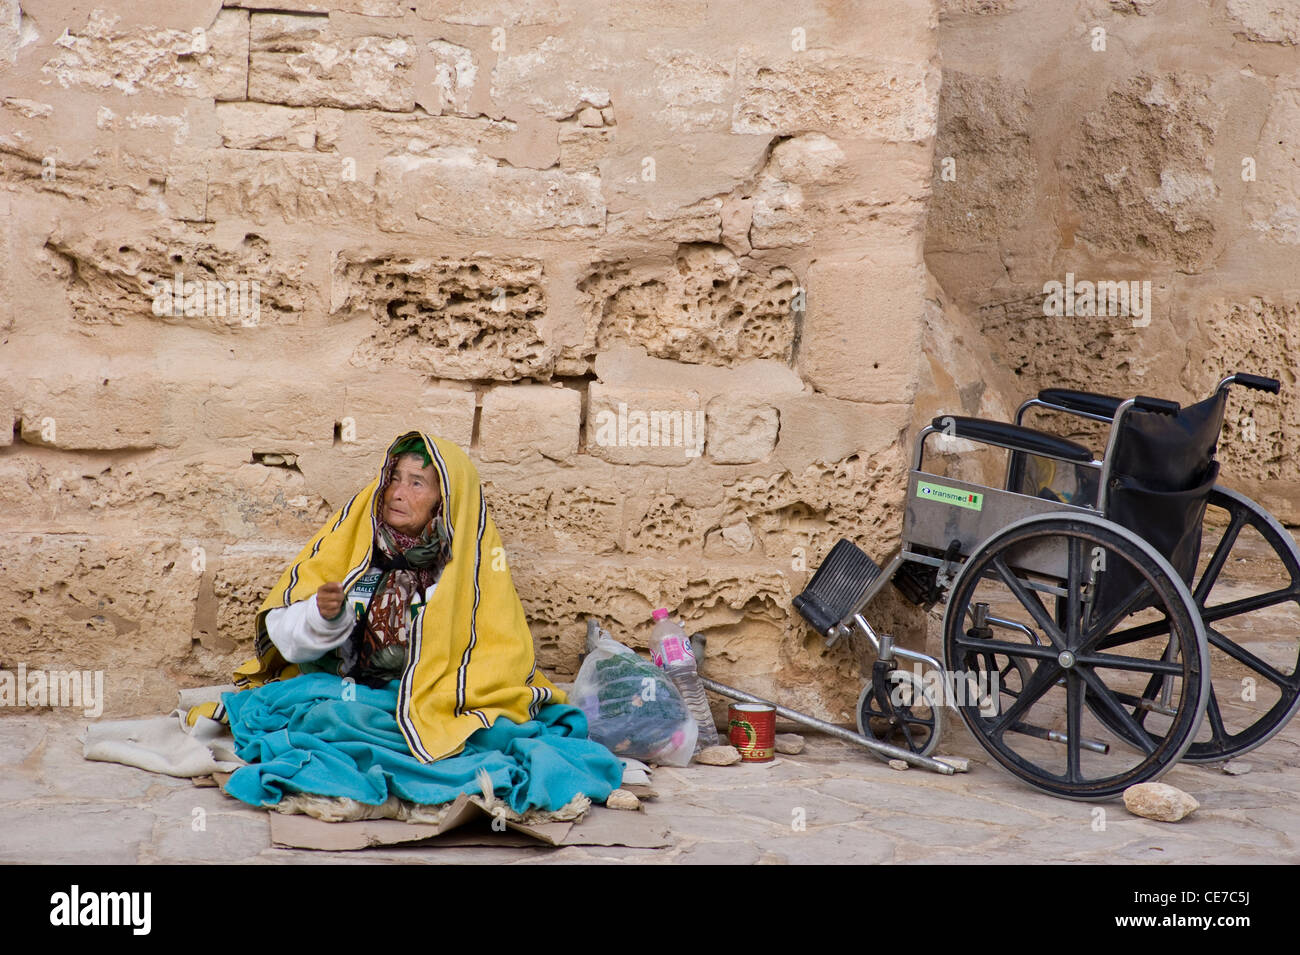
x,y
752,730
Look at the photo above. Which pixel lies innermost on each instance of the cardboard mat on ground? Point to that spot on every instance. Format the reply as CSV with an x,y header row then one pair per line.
x,y
467,824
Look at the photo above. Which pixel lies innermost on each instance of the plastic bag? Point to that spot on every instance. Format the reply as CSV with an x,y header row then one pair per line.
x,y
632,707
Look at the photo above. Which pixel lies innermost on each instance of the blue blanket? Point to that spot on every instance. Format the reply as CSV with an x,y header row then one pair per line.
x,y
315,734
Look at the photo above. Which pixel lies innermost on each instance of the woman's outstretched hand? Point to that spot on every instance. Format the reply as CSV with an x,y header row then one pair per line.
x,y
329,600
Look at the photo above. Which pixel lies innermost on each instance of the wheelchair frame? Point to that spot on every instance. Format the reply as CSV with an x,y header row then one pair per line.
x,y
967,537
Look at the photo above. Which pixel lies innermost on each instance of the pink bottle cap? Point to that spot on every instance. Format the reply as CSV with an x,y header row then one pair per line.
x,y
660,614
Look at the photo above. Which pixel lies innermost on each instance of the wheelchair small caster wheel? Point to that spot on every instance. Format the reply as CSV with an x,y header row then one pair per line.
x,y
911,716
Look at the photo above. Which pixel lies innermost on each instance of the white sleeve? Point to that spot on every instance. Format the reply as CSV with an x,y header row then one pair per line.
x,y
300,633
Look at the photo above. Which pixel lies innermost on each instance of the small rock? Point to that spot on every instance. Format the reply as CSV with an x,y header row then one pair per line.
x,y
590,117
959,764
718,756
1237,767
622,799
899,764
1159,801
790,744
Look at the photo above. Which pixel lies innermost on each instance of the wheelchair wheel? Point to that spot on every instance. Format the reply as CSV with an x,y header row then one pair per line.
x,y
1056,729
912,719
1247,591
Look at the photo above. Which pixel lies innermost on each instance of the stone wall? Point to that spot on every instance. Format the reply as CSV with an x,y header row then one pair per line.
x,y
1149,141
507,223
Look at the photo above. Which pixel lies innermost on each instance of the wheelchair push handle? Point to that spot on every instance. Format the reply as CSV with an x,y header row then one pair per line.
x,y
1157,405
1257,382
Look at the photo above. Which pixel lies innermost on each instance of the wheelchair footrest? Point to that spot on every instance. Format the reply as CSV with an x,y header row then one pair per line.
x,y
839,585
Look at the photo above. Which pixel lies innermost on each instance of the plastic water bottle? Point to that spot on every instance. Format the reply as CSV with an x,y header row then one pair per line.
x,y
670,648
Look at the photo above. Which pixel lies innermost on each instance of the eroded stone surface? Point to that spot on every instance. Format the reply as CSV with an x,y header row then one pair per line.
x,y
705,307
457,318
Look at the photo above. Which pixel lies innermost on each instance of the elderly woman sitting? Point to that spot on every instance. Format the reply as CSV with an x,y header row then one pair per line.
x,y
412,665
372,626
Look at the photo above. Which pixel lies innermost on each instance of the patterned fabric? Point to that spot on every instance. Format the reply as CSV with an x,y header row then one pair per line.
x,y
376,652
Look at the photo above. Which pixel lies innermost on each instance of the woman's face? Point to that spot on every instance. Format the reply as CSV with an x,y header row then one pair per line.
x,y
411,496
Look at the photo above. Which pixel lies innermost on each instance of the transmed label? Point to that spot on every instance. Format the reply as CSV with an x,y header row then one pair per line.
x,y
950,495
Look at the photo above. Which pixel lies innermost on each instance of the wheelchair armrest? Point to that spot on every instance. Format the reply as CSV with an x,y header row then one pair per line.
x,y
1014,436
1087,402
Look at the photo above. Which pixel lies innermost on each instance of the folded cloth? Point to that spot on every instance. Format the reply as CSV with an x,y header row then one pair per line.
x,y
326,736
181,744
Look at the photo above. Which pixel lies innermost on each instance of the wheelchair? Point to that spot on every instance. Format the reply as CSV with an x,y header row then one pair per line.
x,y
1091,639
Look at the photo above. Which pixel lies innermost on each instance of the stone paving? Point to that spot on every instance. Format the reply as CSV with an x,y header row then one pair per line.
x,y
833,803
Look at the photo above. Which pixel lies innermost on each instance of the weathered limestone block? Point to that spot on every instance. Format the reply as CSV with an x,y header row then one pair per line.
x,y
1266,21
340,130
666,524
797,515
271,410
825,429
80,413
583,148
113,278
1273,201
558,77
742,428
694,91
984,129
128,601
221,497
541,512
699,222
471,318
27,108
11,22
458,189
780,213
377,411
644,426
726,600
242,577
1259,335
6,415
829,91
705,307
736,539
954,8
366,8
585,519
490,13
1105,353
454,76
285,186
187,189
629,366
780,217
811,159
299,60
265,126
1140,171
520,420
862,333
201,63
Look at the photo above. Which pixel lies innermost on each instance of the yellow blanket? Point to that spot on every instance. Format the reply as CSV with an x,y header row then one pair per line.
x,y
471,658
